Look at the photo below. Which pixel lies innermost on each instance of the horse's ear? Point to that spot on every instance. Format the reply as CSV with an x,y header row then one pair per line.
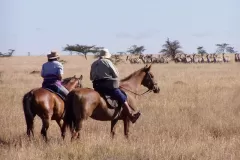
x,y
150,66
81,77
147,68
74,76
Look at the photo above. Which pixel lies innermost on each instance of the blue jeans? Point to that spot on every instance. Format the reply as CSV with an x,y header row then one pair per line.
x,y
115,93
56,86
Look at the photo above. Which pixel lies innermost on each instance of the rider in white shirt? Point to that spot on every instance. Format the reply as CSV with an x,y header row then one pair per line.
x,y
105,78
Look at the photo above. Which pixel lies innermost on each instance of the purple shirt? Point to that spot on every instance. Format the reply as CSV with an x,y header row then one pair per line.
x,y
50,72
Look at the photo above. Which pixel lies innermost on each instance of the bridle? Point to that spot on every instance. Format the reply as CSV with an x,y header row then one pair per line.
x,y
149,89
79,83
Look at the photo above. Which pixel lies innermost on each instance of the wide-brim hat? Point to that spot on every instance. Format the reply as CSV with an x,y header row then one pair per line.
x,y
53,55
104,53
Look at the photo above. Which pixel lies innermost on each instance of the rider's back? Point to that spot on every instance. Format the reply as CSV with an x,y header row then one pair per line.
x,y
104,74
53,68
103,69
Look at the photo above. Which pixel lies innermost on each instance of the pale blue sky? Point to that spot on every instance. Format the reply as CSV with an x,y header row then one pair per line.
x,y
38,26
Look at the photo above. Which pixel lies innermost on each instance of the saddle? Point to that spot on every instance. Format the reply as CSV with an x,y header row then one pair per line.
x,y
54,89
111,102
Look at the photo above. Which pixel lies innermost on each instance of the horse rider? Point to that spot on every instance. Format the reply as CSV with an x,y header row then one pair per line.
x,y
105,78
52,72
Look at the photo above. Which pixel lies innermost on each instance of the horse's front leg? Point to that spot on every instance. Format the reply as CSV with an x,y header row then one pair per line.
x,y
126,122
113,127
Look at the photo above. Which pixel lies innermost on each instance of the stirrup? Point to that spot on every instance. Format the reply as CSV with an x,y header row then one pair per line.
x,y
135,117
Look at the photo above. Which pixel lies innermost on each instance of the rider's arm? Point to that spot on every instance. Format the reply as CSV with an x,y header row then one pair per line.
x,y
60,71
42,72
91,75
115,72
93,70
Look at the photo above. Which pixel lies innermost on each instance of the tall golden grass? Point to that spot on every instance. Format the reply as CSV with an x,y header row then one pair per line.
x,y
195,116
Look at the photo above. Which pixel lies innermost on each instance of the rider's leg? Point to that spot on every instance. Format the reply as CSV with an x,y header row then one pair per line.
x,y
63,91
123,100
133,116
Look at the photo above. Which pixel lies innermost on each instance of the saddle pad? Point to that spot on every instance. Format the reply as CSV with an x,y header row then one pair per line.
x,y
49,89
112,103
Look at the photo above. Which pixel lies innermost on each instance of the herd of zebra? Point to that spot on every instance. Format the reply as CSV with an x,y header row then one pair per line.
x,y
148,58
182,58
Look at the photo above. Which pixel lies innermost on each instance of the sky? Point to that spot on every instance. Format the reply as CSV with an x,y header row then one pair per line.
x,y
41,26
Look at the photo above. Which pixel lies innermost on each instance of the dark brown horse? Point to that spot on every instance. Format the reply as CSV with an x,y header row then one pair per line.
x,y
47,105
85,102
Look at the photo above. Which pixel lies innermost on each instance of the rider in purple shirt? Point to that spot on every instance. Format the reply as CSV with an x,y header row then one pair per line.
x,y
52,72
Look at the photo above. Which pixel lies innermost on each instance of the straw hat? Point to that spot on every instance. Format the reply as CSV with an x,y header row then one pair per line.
x,y
53,55
104,53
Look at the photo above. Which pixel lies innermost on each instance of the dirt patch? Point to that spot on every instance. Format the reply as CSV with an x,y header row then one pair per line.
x,y
35,72
4,142
180,83
1,74
62,61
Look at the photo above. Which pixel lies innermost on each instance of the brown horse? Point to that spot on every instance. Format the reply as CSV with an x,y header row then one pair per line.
x,y
47,105
85,102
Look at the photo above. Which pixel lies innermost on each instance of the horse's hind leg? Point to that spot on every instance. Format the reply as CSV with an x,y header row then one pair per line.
x,y
76,130
126,122
113,127
63,130
45,126
60,124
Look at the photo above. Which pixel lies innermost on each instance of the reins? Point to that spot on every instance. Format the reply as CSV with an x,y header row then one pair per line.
x,y
149,90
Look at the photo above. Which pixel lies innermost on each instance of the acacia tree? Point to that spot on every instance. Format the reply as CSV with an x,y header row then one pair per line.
x,y
8,54
82,49
201,50
221,48
171,48
136,50
230,50
224,47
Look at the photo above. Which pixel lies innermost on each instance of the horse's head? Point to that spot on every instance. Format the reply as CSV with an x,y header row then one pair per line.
x,y
149,81
73,82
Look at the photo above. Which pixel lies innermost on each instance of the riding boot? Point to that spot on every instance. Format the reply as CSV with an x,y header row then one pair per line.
x,y
133,116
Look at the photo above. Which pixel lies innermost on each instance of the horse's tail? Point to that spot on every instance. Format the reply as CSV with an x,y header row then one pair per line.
x,y
69,116
27,100
29,116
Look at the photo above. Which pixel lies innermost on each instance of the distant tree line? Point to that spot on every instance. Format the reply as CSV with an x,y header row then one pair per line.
x,y
8,54
169,49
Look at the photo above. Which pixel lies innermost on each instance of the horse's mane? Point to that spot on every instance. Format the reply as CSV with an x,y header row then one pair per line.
x,y
131,75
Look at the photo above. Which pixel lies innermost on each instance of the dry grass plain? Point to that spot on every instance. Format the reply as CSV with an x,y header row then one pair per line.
x,y
196,115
